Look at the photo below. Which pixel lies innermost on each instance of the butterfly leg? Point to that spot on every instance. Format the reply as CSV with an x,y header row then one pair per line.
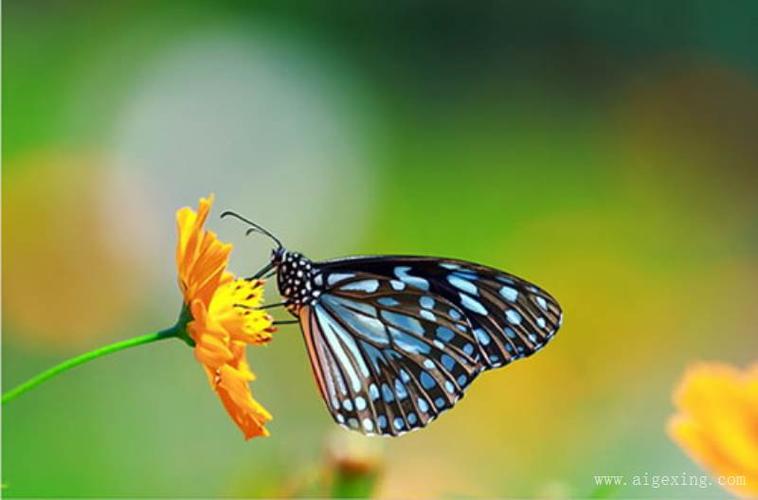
x,y
271,306
286,322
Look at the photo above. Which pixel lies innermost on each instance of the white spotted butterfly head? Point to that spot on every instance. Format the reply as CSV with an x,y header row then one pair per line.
x,y
294,272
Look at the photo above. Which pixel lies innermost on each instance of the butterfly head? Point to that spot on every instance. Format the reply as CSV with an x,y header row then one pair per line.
x,y
294,276
294,271
278,255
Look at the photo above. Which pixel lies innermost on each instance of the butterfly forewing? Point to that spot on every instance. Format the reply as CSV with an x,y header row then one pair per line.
x,y
510,317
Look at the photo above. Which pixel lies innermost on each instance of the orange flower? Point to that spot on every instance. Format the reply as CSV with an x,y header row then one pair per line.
x,y
224,317
717,423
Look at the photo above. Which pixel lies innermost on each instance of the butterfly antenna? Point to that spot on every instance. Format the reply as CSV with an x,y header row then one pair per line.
x,y
255,228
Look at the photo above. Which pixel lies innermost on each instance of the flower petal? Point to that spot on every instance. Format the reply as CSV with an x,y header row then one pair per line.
x,y
236,397
201,258
716,423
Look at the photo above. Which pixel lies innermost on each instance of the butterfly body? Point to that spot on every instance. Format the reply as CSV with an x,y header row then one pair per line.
x,y
395,340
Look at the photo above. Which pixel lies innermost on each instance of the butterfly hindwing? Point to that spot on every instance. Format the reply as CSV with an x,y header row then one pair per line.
x,y
389,357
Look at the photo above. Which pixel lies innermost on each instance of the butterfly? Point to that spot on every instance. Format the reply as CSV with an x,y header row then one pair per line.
x,y
394,341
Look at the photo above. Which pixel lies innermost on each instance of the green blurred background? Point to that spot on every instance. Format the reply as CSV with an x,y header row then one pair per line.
x,y
605,150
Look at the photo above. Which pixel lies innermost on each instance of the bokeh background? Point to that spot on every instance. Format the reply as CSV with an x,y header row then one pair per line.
x,y
605,150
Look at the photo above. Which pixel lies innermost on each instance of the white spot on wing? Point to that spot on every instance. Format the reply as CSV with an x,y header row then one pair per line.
x,y
367,286
541,302
335,278
402,274
509,293
513,316
449,265
463,284
472,304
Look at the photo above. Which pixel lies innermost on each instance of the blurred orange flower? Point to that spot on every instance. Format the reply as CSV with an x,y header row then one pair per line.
x,y
717,423
224,317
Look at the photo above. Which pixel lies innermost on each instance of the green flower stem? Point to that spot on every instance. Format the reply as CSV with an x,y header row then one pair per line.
x,y
177,330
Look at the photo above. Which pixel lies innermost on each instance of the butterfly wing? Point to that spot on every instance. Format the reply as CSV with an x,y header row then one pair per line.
x,y
510,317
388,358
